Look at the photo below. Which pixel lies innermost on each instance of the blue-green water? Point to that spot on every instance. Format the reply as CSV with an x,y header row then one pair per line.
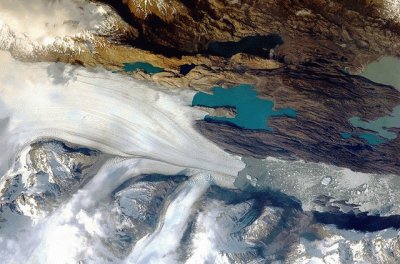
x,y
345,135
144,66
252,112
371,138
386,70
380,125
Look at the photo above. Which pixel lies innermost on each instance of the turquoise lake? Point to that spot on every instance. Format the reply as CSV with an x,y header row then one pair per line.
x,y
345,135
370,138
252,112
386,70
380,125
144,66
379,128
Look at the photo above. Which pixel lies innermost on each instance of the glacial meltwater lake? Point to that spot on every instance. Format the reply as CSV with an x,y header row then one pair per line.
x,y
252,112
144,66
370,138
386,70
380,127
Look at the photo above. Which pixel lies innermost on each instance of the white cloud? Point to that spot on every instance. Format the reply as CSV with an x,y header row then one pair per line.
x,y
29,25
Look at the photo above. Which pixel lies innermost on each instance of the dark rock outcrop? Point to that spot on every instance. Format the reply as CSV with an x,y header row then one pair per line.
x,y
324,100
346,33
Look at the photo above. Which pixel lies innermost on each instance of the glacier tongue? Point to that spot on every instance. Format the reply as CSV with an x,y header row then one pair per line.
x,y
105,111
51,216
161,246
80,224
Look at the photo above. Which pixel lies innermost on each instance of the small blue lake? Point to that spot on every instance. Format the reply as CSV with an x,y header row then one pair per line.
x,y
345,135
386,71
380,127
370,138
252,112
143,66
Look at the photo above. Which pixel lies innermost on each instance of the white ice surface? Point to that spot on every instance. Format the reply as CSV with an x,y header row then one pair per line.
x,y
149,128
160,246
75,230
105,111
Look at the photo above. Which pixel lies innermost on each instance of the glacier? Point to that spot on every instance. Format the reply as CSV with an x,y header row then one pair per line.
x,y
106,111
140,129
